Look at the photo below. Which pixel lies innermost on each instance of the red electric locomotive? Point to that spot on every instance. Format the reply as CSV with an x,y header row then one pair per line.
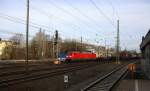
x,y
80,55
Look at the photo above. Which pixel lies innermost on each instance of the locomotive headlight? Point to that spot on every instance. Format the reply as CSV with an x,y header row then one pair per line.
x,y
68,56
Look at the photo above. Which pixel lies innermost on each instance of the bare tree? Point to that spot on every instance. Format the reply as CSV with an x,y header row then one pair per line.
x,y
72,45
40,45
18,40
17,46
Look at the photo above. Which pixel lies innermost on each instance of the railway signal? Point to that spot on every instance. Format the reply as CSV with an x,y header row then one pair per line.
x,y
55,48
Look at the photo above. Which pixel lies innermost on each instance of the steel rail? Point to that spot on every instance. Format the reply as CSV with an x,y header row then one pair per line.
x,y
89,87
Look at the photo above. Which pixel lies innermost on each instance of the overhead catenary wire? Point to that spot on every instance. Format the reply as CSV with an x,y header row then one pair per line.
x,y
20,21
101,12
78,11
72,15
15,33
48,15
114,17
83,14
12,19
74,8
4,31
114,9
60,18
60,29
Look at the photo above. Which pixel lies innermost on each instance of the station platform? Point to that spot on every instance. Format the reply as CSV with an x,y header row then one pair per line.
x,y
132,85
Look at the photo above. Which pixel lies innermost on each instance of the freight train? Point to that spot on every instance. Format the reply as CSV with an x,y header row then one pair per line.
x,y
89,56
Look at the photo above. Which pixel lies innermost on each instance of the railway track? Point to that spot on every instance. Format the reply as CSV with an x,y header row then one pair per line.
x,y
31,68
21,69
106,82
23,64
7,79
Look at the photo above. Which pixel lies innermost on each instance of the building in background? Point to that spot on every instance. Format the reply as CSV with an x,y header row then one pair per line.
x,y
5,49
101,51
145,49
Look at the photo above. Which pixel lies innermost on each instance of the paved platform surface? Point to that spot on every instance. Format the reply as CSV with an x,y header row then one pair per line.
x,y
133,85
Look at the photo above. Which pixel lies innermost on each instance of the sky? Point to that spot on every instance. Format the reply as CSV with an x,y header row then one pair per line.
x,y
95,22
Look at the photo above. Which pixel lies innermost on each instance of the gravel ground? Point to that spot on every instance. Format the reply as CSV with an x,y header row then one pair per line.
x,y
77,80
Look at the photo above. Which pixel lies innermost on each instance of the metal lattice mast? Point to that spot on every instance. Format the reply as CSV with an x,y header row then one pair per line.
x,y
118,43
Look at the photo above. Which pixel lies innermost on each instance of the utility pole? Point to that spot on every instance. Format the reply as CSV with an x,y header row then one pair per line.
x,y
43,44
27,33
105,49
76,45
117,43
81,43
81,40
40,42
0,55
